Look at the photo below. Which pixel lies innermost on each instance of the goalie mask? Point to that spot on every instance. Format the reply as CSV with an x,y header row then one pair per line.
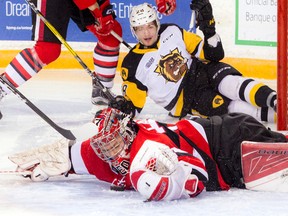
x,y
114,137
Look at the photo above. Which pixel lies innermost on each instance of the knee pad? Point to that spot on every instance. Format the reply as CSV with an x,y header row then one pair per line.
x,y
47,51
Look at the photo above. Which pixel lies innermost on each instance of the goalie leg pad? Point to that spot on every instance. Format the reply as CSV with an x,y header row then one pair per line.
x,y
265,166
45,161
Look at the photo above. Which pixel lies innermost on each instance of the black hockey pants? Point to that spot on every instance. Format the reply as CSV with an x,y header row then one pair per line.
x,y
225,135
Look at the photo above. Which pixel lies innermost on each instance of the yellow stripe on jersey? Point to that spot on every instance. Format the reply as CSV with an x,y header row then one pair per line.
x,y
253,92
192,42
179,105
134,94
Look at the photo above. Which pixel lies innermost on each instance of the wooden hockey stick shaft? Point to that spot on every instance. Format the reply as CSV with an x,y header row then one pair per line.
x,y
64,42
64,132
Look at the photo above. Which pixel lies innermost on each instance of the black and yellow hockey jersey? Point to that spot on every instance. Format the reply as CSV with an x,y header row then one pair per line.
x,y
158,71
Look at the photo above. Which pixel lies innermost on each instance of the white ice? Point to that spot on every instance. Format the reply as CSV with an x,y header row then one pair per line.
x,y
67,103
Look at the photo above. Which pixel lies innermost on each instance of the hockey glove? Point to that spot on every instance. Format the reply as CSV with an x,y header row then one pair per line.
x,y
204,17
123,105
166,7
105,18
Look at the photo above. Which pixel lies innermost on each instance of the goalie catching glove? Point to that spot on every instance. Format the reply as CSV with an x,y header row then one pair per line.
x,y
45,161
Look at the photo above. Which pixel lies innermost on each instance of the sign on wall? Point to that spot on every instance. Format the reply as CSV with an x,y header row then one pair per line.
x,y
15,20
256,22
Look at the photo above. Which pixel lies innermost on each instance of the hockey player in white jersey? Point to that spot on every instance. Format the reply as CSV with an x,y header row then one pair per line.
x,y
181,71
160,161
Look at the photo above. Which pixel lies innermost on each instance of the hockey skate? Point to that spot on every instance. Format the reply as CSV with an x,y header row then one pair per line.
x,y
98,96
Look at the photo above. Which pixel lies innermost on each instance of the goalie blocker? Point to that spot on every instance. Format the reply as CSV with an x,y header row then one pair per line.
x,y
265,166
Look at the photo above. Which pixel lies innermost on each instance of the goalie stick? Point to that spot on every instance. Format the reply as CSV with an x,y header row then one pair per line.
x,y
24,173
64,42
64,132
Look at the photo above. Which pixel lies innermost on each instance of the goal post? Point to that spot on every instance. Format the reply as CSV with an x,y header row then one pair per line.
x,y
282,74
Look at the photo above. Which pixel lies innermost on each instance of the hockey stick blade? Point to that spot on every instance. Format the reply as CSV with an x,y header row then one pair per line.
x,y
64,132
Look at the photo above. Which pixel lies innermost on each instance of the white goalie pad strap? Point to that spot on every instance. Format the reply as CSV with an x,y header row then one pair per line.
x,y
53,159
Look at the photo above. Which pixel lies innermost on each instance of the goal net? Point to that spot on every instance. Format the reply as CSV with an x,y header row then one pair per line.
x,y
282,74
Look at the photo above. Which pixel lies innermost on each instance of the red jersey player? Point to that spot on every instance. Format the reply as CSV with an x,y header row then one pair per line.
x,y
161,161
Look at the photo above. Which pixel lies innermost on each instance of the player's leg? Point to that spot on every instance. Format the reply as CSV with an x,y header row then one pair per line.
x,y
230,83
105,58
248,95
265,114
248,90
225,135
47,48
208,102
106,52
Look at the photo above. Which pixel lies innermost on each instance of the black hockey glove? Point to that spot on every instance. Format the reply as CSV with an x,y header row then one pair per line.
x,y
123,105
204,16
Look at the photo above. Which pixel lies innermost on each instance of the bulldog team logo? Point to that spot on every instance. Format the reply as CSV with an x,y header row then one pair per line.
x,y
172,66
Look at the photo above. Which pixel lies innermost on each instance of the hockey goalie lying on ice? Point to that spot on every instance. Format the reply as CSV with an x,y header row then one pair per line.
x,y
168,161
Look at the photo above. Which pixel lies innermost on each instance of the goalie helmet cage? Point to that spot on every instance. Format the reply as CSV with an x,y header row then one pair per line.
x,y
282,74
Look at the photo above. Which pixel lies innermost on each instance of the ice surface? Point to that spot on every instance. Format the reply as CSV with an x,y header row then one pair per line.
x,y
67,103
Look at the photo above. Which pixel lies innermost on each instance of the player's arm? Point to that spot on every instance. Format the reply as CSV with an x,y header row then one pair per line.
x,y
211,48
158,174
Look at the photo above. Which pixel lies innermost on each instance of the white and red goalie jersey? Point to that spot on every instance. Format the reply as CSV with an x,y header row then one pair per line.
x,y
163,165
